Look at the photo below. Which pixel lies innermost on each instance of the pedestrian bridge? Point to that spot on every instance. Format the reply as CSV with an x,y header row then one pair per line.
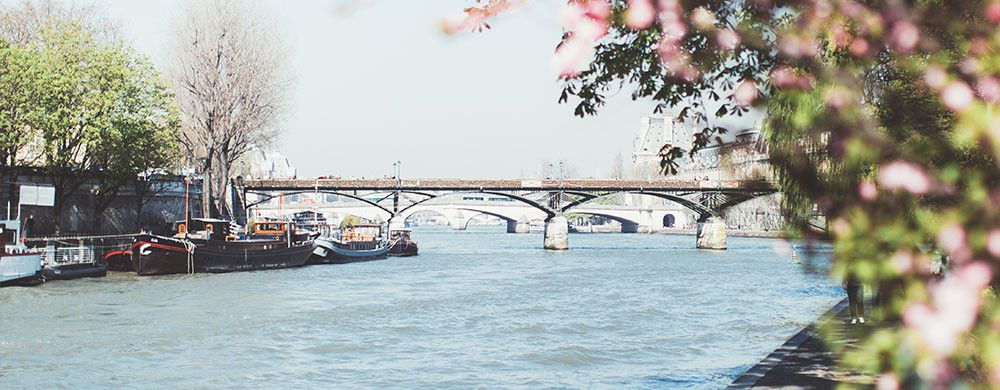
x,y
548,199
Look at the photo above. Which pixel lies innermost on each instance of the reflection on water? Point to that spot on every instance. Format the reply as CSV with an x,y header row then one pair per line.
x,y
476,308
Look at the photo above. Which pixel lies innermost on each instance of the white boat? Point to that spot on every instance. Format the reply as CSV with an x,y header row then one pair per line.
x,y
18,264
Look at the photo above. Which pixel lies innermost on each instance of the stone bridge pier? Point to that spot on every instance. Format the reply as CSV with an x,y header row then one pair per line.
x,y
520,226
557,233
458,221
711,233
630,227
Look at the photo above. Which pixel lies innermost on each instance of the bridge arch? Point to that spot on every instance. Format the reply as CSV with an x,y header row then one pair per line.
x,y
268,197
699,209
548,212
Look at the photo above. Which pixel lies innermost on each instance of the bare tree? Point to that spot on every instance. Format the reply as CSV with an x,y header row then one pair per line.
x,y
229,74
618,167
22,24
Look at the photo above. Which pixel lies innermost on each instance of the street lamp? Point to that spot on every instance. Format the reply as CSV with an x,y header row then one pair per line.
x,y
560,174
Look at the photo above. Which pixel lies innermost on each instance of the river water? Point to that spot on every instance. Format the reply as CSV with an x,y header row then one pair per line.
x,y
477,308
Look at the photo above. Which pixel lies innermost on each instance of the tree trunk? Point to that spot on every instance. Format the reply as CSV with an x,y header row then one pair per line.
x,y
206,192
223,185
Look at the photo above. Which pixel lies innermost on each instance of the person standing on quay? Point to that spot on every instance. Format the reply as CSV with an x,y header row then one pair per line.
x,y
855,298
28,227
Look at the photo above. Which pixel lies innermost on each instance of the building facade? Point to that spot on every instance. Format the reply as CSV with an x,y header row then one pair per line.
x,y
742,155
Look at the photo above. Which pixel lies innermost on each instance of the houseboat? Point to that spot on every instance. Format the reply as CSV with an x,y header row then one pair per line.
x,y
351,244
401,244
19,266
212,245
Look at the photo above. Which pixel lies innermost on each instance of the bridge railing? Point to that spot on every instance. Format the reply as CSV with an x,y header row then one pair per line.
x,y
504,184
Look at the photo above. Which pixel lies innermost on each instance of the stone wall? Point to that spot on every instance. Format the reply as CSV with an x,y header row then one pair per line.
x,y
165,205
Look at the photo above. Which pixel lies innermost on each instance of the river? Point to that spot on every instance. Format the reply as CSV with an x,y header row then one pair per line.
x,y
477,308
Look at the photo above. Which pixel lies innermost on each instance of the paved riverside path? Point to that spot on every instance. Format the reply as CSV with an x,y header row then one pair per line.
x,y
805,361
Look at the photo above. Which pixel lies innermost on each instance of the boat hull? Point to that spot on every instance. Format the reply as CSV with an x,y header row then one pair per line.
x,y
232,258
75,271
328,252
156,255
21,269
403,249
119,261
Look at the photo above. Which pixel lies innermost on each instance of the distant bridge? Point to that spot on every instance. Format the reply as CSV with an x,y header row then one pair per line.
x,y
460,211
552,197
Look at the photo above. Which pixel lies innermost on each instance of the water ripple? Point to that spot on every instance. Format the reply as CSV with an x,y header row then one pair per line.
x,y
478,308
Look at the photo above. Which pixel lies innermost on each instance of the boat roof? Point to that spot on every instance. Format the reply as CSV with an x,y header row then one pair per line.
x,y
367,225
210,220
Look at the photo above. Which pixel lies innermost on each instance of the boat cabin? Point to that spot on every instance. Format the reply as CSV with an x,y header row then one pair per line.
x,y
10,234
270,229
362,232
400,234
204,228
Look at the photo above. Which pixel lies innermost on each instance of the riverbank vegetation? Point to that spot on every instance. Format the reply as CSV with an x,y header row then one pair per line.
x,y
76,102
881,116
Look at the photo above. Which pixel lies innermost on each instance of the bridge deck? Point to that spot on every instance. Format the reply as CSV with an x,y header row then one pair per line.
x,y
507,185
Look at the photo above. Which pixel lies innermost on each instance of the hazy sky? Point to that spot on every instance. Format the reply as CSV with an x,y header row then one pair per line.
x,y
382,83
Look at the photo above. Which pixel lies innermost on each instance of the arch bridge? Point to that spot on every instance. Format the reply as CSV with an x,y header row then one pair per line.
x,y
708,199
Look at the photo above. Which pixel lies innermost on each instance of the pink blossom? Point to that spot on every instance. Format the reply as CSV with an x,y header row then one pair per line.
x,y
988,88
859,47
993,11
587,21
786,78
841,227
789,46
957,96
783,77
952,239
993,243
935,77
702,18
745,93
905,36
968,66
935,331
837,97
796,47
867,190
902,261
888,381
840,36
640,14
977,274
727,39
978,46
906,176
456,22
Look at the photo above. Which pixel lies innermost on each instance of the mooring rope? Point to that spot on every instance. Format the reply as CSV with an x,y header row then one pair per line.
x,y
190,255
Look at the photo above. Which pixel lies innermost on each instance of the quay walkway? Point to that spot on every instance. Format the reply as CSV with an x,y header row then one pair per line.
x,y
805,361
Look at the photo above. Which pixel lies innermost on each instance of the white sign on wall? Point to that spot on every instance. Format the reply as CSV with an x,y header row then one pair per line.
x,y
38,196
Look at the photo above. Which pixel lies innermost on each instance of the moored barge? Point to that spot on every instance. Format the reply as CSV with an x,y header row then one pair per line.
x,y
401,244
215,248
351,244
